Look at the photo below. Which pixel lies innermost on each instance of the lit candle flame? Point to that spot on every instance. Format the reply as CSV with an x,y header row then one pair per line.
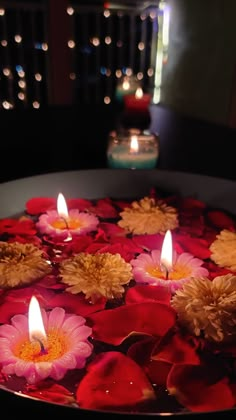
x,y
139,93
134,146
62,211
167,253
126,85
62,206
35,321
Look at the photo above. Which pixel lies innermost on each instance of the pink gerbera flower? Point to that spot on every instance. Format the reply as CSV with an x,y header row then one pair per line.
x,y
67,346
147,268
77,223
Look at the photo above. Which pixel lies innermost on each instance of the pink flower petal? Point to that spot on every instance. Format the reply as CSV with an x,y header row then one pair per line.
x,y
73,322
80,334
10,332
20,322
56,319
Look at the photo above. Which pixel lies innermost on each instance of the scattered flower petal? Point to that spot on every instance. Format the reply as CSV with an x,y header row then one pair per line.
x,y
116,381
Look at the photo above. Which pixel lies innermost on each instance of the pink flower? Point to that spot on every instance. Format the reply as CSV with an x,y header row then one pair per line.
x,y
147,269
67,346
77,223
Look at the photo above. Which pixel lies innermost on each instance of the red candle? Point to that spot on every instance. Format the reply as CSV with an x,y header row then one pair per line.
x,y
138,102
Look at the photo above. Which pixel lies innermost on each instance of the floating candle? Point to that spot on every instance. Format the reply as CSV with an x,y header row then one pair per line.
x,y
36,327
133,150
166,257
138,102
127,85
165,268
66,224
40,354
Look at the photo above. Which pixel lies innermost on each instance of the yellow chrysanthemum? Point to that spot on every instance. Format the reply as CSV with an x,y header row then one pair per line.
x,y
148,216
208,308
21,264
96,275
224,250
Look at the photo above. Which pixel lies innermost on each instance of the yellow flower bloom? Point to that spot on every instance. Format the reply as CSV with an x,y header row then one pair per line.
x,y
148,216
96,275
208,308
21,264
224,250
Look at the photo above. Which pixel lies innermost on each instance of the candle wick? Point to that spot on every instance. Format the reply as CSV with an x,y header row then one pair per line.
x,y
42,348
164,268
65,221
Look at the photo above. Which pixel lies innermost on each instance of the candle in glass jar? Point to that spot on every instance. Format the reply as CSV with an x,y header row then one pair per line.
x,y
138,102
133,152
128,85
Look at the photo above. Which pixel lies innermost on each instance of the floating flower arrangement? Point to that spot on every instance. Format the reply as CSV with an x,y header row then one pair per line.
x,y
121,325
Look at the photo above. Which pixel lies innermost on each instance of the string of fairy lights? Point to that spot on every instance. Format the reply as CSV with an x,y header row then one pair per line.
x,y
105,44
21,73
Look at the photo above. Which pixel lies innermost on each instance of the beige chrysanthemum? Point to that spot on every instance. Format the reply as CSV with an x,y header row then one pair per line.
x,y
208,308
96,275
148,216
224,250
21,264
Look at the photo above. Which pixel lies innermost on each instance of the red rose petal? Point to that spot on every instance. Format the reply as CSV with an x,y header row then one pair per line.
x,y
24,227
93,248
27,240
25,294
158,371
124,250
50,282
78,203
76,304
127,243
188,203
8,309
233,390
113,381
196,246
141,350
215,270
54,393
149,242
38,205
112,230
112,326
76,245
122,204
176,349
141,293
220,220
105,209
200,388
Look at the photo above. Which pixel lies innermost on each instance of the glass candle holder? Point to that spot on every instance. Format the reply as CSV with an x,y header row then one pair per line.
x,y
126,85
132,149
